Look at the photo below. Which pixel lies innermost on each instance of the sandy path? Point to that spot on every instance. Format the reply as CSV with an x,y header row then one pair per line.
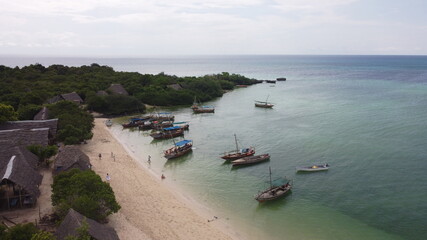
x,y
149,209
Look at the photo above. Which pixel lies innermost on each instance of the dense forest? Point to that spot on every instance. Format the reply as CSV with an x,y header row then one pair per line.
x,y
26,89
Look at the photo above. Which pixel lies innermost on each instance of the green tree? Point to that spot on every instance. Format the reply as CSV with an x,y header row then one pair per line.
x,y
43,235
19,232
43,152
7,113
27,112
85,192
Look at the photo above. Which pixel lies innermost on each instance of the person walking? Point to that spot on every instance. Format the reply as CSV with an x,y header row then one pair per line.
x,y
108,178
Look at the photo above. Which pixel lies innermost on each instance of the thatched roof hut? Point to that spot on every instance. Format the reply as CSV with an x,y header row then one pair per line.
x,y
25,137
74,220
71,157
43,114
101,93
19,178
175,86
117,89
51,124
73,97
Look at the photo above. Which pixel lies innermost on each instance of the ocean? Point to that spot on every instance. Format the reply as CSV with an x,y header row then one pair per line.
x,y
366,116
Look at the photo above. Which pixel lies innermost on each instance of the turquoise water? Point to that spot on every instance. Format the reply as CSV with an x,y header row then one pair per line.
x,y
364,115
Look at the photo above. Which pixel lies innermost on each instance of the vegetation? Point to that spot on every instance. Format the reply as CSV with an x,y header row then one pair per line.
x,y
85,192
43,152
74,124
18,232
42,235
27,88
7,113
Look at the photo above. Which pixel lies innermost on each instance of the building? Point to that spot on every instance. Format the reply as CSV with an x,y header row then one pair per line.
x,y
117,89
71,157
72,97
74,220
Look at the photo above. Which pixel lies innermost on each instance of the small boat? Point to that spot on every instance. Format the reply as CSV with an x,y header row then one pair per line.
x,y
251,160
162,116
238,153
109,122
265,104
134,122
274,192
157,125
241,86
181,148
167,133
201,109
270,81
281,79
183,125
313,168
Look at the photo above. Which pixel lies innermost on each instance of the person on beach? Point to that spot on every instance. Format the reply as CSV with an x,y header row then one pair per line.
x,y
100,156
163,177
108,178
149,159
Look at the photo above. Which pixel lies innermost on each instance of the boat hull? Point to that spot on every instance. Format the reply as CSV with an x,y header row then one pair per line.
x,y
274,193
250,160
167,135
264,105
179,153
314,168
237,155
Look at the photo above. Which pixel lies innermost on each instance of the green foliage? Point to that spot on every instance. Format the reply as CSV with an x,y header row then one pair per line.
x,y
27,112
85,192
43,152
115,104
74,124
82,232
34,84
42,235
7,113
19,232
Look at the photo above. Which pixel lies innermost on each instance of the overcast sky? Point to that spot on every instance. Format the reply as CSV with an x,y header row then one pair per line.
x,y
186,27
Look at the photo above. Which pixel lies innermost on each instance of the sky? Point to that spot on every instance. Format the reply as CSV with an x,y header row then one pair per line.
x,y
137,28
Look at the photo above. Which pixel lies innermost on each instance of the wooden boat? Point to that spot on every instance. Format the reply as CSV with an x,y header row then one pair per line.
x,y
168,133
238,153
281,79
265,104
183,125
251,160
162,116
155,125
313,168
181,148
241,86
197,108
274,192
109,122
134,122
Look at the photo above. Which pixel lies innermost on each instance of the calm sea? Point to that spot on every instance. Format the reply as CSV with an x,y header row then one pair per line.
x,y
364,115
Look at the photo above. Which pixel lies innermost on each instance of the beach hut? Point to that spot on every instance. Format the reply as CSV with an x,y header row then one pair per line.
x,y
20,181
72,97
71,157
175,86
74,220
51,125
117,89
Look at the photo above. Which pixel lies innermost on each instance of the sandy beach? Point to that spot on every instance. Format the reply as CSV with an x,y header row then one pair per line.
x,y
150,209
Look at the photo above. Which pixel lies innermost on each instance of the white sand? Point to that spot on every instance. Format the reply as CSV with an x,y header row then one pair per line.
x,y
150,210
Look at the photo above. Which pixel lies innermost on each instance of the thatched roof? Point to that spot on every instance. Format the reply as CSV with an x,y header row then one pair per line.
x,y
52,124
73,220
17,165
43,114
24,137
71,157
175,86
117,89
73,97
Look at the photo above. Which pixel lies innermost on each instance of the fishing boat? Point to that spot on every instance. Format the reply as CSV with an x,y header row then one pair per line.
x,y
251,160
274,192
265,104
167,133
179,149
238,153
162,116
197,108
281,79
134,122
109,122
313,168
158,125
183,125
270,81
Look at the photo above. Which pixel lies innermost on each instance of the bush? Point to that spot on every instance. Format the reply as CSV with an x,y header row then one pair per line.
x,y
43,152
85,192
7,113
42,235
19,232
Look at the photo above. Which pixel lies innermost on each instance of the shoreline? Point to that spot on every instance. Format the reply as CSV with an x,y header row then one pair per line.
x,y
151,208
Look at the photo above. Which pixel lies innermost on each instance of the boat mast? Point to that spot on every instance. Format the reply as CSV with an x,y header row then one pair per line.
x,y
271,184
235,139
266,100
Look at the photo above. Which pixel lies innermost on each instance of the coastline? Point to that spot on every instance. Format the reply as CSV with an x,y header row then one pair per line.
x,y
151,208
